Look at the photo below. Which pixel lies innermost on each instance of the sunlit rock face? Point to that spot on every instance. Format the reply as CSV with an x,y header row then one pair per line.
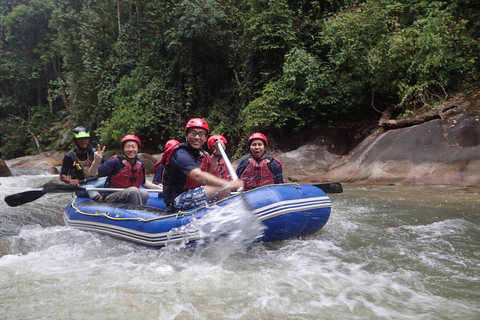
x,y
441,151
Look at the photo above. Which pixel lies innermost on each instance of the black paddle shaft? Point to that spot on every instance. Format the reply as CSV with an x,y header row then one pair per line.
x,y
32,195
332,187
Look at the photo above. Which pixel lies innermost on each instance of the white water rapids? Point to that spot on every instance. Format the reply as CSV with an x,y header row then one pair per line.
x,y
386,253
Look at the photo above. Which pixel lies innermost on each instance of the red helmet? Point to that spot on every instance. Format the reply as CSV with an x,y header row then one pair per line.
x,y
171,143
211,141
130,137
257,135
197,123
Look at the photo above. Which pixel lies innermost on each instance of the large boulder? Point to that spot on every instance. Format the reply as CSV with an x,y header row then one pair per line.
x,y
441,151
53,159
45,159
149,162
305,161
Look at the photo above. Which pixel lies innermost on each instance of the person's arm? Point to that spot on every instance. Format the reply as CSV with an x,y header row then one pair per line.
x,y
67,163
214,187
150,185
158,177
98,159
66,179
110,167
186,163
277,172
147,184
208,179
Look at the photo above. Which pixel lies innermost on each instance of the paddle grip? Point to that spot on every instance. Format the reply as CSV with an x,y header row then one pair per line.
x,y
232,172
89,179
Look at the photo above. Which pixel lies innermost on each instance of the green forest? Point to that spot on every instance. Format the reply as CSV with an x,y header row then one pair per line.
x,y
276,66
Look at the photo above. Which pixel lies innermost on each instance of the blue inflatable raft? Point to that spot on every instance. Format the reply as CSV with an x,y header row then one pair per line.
x,y
286,210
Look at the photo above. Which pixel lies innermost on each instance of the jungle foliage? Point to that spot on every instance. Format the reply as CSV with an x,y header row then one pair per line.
x,y
276,66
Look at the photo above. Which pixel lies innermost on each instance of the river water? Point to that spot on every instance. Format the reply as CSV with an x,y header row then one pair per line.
x,y
386,253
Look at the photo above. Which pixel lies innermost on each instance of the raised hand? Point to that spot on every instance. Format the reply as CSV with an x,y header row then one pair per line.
x,y
98,155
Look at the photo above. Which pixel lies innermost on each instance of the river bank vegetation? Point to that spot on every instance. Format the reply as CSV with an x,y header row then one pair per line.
x,y
276,66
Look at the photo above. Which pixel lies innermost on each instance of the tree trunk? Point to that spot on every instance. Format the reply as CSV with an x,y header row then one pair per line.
x,y
49,95
421,118
62,90
118,16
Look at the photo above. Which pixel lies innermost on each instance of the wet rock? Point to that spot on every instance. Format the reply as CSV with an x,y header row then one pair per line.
x,y
4,170
305,161
441,151
53,170
53,159
45,159
157,156
149,162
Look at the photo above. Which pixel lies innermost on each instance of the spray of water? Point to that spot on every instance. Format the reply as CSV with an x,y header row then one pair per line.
x,y
224,230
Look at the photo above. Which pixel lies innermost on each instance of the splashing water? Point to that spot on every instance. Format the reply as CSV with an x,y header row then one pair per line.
x,y
221,232
391,252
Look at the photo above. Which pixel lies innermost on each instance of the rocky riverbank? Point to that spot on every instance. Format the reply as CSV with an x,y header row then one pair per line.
x,y
442,150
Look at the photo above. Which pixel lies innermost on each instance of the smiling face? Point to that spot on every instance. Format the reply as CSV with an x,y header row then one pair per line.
x,y
257,148
130,150
82,143
196,137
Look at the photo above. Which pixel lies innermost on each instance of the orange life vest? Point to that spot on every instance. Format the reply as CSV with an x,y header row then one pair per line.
x,y
257,174
220,170
130,176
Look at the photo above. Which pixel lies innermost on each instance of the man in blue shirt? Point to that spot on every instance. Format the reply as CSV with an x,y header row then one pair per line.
x,y
187,180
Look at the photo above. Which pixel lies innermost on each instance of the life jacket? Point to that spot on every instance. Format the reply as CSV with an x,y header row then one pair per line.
x,y
257,174
220,170
80,168
130,176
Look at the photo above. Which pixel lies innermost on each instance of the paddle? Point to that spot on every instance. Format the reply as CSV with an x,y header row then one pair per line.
x,y
332,187
32,195
232,172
